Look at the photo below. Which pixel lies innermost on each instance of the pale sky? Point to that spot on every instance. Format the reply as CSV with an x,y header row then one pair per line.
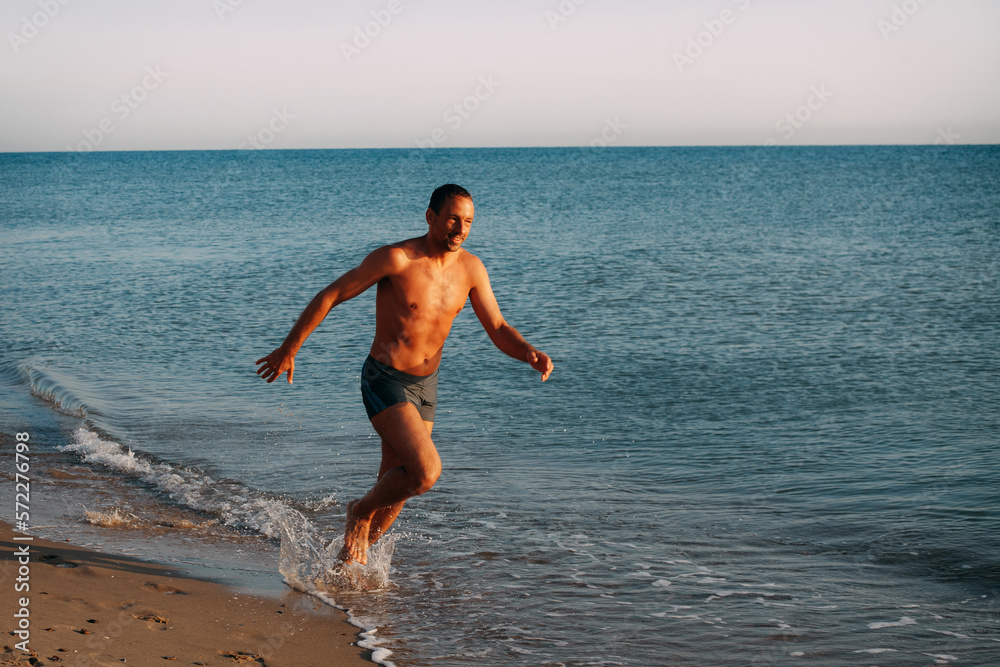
x,y
226,74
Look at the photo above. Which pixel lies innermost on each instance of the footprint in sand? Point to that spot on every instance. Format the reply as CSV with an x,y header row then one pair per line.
x,y
243,657
153,621
54,559
163,588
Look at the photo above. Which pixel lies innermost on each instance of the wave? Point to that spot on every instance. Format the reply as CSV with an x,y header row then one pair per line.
x,y
52,387
307,563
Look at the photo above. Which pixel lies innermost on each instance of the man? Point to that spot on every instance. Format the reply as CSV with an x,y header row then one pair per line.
x,y
423,284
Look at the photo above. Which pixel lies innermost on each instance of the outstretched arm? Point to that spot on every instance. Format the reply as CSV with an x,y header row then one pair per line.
x,y
504,336
375,266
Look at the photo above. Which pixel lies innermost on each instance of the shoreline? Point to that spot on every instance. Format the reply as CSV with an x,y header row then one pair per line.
x,y
88,607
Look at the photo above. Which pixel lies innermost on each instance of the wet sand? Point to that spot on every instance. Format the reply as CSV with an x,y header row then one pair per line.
x,y
89,608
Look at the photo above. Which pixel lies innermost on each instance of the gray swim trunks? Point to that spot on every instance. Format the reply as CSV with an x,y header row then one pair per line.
x,y
383,385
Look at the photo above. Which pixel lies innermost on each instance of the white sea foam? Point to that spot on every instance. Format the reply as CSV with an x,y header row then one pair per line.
x,y
952,634
380,654
876,651
185,486
905,620
941,658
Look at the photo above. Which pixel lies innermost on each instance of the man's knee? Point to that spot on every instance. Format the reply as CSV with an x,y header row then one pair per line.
x,y
425,476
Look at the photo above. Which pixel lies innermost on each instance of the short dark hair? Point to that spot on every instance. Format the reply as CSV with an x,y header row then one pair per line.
x,y
442,194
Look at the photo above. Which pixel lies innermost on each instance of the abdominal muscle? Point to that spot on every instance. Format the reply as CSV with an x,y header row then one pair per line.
x,y
408,340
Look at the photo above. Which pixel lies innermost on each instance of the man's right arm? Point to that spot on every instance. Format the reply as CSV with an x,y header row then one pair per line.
x,y
377,265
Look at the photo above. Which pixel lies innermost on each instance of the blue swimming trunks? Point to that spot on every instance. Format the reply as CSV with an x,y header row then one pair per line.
x,y
382,386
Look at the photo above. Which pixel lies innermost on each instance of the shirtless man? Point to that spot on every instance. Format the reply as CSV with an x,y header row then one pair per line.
x,y
422,285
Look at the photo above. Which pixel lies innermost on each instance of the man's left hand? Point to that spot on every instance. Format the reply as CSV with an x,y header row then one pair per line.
x,y
541,363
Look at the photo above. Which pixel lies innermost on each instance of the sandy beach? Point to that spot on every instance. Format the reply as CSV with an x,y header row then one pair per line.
x,y
90,608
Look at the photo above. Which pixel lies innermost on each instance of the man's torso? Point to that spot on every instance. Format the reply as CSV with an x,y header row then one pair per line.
x,y
415,308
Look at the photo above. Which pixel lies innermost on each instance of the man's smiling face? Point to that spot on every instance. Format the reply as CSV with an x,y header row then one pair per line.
x,y
450,226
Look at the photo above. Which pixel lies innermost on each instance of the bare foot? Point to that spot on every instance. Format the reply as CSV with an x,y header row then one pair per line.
x,y
355,549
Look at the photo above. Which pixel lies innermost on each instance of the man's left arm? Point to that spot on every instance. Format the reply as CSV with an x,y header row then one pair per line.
x,y
504,336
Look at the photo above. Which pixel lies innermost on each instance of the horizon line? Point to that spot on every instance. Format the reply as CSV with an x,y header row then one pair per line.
x,y
460,148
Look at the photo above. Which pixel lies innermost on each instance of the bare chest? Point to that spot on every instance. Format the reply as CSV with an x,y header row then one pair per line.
x,y
431,292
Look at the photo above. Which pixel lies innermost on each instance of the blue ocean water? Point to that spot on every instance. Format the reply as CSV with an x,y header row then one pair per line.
x,y
771,434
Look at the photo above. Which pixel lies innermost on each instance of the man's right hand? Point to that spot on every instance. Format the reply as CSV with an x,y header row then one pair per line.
x,y
276,363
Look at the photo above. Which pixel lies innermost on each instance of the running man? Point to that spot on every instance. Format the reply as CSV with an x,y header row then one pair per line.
x,y
423,284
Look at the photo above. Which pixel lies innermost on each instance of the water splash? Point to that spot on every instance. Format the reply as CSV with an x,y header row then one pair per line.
x,y
112,518
310,565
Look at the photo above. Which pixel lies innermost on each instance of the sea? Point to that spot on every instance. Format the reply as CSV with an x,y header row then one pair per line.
x,y
772,435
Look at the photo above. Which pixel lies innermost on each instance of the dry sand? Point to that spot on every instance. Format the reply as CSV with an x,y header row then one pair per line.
x,y
111,610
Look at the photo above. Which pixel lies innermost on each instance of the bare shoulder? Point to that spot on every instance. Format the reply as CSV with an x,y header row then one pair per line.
x,y
392,258
471,262
474,267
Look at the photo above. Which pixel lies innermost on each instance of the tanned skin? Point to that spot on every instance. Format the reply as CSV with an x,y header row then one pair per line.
x,y
423,284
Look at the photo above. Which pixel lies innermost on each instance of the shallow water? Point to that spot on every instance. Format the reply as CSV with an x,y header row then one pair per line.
x,y
771,434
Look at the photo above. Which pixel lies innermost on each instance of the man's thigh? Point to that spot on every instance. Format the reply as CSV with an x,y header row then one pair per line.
x,y
406,438
389,458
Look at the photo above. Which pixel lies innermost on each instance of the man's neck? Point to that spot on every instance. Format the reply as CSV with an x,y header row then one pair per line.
x,y
439,255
